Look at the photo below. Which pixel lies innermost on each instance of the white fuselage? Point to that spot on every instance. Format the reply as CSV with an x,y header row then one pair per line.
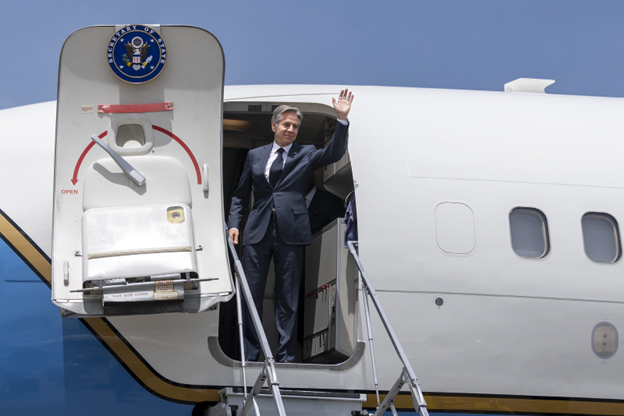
x,y
508,325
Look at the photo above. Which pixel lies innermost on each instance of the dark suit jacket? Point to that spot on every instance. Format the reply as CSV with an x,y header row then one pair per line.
x,y
288,195
324,208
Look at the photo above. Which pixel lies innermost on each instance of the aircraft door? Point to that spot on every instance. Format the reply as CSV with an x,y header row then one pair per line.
x,y
138,215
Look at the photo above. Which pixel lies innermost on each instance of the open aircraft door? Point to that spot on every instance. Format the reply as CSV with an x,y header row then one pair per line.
x,y
138,213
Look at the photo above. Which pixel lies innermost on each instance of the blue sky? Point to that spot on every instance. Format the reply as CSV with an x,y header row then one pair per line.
x,y
462,44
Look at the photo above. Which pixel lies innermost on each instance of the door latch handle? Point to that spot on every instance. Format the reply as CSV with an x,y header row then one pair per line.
x,y
130,172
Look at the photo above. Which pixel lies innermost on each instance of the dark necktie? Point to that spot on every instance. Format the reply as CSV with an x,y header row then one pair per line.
x,y
276,168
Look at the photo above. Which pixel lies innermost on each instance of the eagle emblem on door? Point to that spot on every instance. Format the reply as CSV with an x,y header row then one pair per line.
x,y
137,54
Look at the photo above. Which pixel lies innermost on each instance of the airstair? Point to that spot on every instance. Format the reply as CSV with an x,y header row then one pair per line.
x,y
266,397
137,225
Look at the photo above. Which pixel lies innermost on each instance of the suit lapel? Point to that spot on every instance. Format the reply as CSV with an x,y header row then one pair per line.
x,y
294,151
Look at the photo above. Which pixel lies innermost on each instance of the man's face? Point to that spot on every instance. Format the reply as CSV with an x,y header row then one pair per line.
x,y
287,129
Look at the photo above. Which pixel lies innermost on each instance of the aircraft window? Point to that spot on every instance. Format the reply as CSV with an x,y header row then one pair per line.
x,y
130,136
529,233
601,236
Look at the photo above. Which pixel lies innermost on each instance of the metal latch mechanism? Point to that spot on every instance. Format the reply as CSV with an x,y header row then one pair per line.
x,y
130,172
152,288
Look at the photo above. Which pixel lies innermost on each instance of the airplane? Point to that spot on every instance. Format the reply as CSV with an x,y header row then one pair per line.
x,y
487,222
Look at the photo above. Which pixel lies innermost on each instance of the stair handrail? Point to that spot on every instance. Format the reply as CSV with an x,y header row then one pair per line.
x,y
407,374
268,370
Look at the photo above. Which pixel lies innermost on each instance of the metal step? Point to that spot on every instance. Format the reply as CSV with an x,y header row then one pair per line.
x,y
296,403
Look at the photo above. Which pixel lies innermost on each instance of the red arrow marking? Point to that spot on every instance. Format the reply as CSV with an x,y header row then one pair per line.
x,y
177,139
160,129
82,156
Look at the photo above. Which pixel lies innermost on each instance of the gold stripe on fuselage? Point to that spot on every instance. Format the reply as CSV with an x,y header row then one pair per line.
x,y
145,374
25,248
116,344
440,402
161,387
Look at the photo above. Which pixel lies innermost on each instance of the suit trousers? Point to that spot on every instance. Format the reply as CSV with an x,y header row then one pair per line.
x,y
288,260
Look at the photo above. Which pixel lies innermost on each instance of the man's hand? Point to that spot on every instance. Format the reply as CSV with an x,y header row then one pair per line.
x,y
343,105
234,236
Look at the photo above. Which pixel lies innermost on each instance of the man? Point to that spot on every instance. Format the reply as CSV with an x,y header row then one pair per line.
x,y
278,226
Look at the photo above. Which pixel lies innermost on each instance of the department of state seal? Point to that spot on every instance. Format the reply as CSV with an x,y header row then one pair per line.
x,y
137,54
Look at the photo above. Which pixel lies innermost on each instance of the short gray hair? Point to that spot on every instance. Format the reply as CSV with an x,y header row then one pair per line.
x,y
277,113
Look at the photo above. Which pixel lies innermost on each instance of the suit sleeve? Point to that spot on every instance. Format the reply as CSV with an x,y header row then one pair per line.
x,y
334,151
240,200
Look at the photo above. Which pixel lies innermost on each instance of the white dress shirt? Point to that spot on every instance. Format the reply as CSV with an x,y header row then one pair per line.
x,y
273,156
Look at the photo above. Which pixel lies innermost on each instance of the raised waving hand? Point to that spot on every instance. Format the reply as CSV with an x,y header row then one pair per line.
x,y
343,104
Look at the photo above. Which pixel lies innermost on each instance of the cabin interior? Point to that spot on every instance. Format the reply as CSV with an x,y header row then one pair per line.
x,y
327,326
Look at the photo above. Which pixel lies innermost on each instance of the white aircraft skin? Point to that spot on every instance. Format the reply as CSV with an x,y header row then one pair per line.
x,y
513,334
